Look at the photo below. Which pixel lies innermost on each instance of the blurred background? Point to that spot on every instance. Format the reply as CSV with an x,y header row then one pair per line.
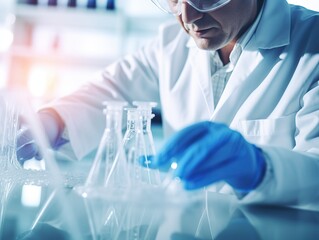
x,y
50,47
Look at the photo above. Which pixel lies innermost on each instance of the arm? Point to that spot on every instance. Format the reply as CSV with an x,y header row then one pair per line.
x,y
132,78
52,125
293,173
208,152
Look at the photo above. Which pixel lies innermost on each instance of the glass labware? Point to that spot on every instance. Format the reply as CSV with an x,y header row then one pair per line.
x,y
145,148
109,168
16,115
108,177
129,145
8,133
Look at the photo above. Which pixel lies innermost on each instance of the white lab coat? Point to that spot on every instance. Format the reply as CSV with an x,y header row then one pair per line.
x,y
272,97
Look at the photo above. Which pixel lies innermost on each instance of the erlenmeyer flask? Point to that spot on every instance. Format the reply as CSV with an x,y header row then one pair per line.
x,y
129,145
145,148
108,178
109,168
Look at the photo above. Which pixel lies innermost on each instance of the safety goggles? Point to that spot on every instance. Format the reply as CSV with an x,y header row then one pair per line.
x,y
175,6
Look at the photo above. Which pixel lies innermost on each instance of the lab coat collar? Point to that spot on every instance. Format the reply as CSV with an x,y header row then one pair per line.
x,y
269,35
191,43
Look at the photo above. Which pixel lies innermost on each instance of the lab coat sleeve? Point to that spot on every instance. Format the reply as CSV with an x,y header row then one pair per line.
x,y
290,179
292,175
131,78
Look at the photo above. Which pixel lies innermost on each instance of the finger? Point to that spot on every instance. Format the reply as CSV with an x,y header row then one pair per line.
x,y
210,175
24,136
208,166
38,156
212,152
203,153
225,170
26,152
180,141
198,161
199,181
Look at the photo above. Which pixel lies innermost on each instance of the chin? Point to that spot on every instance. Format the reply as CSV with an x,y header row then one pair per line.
x,y
207,44
204,45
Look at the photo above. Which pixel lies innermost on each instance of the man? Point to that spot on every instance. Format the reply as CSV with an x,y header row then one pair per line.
x,y
238,88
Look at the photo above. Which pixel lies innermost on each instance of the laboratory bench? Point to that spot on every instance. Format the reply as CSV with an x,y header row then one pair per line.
x,y
47,204
33,207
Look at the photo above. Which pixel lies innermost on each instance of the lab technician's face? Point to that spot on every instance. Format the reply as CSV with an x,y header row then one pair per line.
x,y
215,29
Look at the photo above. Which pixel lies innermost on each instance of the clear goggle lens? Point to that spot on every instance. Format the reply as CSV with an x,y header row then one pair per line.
x,y
174,6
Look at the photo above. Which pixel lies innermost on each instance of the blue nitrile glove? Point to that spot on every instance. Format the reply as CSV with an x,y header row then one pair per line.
x,y
27,147
208,152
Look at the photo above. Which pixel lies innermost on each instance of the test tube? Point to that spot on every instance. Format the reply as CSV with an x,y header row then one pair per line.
x,y
110,4
52,2
91,4
32,2
72,3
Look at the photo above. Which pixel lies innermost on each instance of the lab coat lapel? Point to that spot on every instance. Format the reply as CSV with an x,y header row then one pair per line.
x,y
247,75
200,63
239,85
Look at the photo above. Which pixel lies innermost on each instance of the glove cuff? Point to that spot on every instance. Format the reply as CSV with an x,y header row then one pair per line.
x,y
261,167
259,171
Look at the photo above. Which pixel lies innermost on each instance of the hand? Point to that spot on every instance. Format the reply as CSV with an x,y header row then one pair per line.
x,y
27,148
208,152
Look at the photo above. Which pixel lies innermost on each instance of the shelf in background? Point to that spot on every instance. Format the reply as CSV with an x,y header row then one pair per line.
x,y
59,46
57,58
95,18
71,17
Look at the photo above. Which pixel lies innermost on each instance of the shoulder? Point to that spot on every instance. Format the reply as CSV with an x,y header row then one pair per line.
x,y
303,18
305,27
303,14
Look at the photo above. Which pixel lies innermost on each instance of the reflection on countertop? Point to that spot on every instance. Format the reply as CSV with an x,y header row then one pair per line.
x,y
143,214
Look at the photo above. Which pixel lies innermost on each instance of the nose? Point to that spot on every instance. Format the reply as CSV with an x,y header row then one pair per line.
x,y
189,14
